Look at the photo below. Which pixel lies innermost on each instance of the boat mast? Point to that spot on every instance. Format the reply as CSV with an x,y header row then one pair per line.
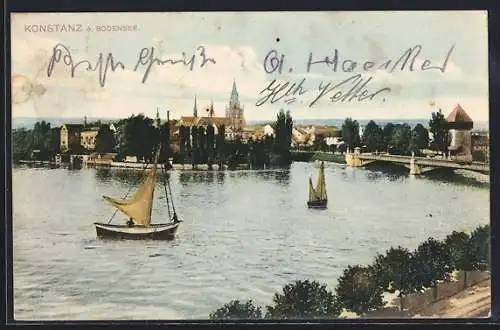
x,y
163,154
168,156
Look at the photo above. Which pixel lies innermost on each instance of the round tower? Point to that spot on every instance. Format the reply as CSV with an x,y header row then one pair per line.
x,y
460,126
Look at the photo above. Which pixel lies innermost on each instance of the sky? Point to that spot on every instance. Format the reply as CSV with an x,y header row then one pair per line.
x,y
239,43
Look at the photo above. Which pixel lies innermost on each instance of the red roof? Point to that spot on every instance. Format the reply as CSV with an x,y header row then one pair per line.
x,y
459,115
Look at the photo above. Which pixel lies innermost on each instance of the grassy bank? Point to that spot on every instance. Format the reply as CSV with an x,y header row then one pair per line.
x,y
308,156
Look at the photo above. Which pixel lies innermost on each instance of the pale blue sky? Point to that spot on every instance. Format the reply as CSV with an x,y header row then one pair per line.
x,y
239,43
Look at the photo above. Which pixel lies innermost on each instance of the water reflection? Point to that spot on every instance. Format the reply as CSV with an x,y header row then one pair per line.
x,y
207,177
282,176
121,175
463,178
386,171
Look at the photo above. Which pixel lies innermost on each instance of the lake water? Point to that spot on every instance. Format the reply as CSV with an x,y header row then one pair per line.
x,y
245,234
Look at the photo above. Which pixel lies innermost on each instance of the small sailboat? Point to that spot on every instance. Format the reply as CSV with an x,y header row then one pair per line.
x,y
139,209
317,196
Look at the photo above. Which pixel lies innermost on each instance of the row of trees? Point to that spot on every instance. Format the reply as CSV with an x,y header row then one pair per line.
x,y
398,138
42,137
138,136
360,288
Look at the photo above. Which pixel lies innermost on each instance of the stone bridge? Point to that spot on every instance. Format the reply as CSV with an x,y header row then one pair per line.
x,y
417,165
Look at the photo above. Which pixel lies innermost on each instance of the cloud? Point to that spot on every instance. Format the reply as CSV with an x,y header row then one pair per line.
x,y
235,50
60,93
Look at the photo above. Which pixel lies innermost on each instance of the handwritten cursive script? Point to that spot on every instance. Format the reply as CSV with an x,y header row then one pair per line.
x,y
405,62
61,54
148,59
352,89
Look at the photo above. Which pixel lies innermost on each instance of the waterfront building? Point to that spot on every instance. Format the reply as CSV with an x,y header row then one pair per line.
x,y
269,130
459,128
204,121
480,141
70,136
300,136
88,137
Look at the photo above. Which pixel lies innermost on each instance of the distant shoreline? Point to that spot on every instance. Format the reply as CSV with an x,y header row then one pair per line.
x,y
29,122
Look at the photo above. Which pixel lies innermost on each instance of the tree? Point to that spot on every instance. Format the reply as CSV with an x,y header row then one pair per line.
x,y
40,131
22,143
202,142
164,139
458,243
52,143
210,145
283,128
194,146
350,133
303,299
221,145
432,263
480,248
139,137
401,137
421,136
438,128
319,139
394,271
372,137
183,137
237,310
387,135
104,140
358,291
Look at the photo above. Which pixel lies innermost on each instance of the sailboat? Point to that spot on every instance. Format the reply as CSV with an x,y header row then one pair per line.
x,y
317,196
139,210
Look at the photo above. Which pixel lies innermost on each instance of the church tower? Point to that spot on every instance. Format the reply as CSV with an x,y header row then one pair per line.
x,y
195,108
157,121
234,112
234,101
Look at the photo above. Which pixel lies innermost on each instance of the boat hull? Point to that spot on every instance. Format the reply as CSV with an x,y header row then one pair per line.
x,y
137,232
317,204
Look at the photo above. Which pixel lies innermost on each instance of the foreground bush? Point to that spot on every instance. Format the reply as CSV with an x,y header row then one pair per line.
x,y
395,271
480,248
433,263
358,290
237,310
304,300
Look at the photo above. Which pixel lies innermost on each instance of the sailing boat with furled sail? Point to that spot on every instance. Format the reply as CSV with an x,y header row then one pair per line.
x,y
317,196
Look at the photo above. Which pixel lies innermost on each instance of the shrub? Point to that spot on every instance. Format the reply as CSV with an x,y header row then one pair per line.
x,y
358,290
394,271
480,248
433,262
303,299
237,310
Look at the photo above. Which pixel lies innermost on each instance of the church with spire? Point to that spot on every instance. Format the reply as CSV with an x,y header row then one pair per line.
x,y
234,120
196,120
234,112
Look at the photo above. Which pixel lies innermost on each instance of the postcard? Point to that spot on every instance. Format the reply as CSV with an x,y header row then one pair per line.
x,y
250,165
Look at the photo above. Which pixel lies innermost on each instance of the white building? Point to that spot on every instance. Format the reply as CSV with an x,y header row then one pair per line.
x,y
268,130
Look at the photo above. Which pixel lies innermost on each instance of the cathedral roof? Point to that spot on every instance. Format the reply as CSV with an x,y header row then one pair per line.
x,y
215,120
188,121
459,115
